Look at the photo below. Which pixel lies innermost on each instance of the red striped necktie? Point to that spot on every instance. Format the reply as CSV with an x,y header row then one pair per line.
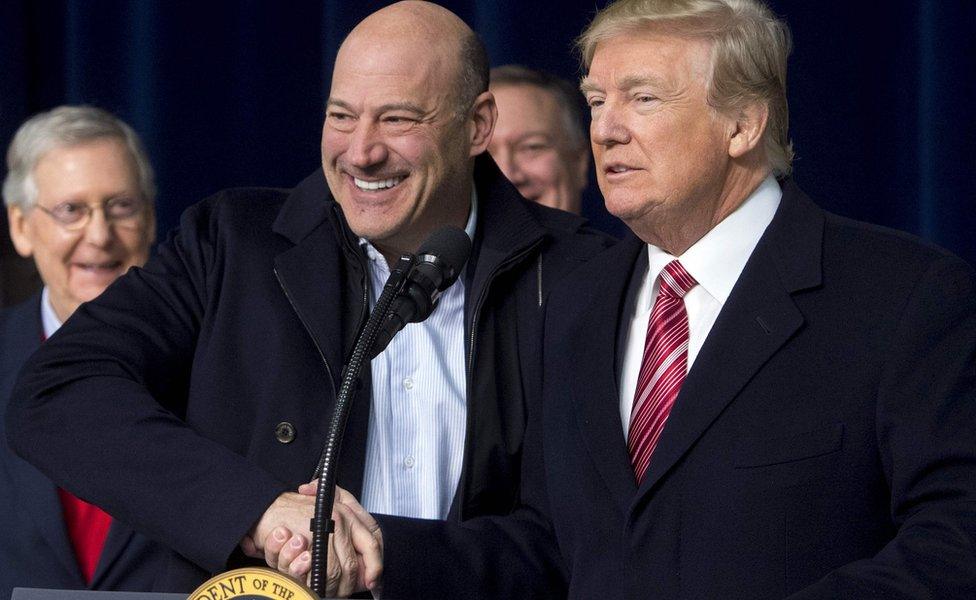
x,y
663,367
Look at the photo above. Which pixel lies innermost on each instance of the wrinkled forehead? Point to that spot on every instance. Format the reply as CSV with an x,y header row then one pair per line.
x,y
403,66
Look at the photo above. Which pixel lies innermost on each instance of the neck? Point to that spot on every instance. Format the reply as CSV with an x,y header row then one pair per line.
x,y
678,230
453,212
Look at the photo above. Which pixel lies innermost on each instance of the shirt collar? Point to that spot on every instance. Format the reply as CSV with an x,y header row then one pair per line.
x,y
375,256
49,319
718,258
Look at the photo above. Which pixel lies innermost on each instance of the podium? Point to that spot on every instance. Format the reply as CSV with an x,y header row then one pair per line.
x,y
45,594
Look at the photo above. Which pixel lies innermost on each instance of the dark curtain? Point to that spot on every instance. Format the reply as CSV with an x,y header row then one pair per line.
x,y
231,93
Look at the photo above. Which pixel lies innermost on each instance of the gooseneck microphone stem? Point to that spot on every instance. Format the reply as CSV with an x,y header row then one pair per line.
x,y
409,296
322,524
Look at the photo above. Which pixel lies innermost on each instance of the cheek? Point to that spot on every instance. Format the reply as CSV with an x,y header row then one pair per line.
x,y
52,245
332,145
550,169
52,260
136,246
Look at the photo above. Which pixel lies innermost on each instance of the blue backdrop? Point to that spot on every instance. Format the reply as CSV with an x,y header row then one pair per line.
x,y
231,93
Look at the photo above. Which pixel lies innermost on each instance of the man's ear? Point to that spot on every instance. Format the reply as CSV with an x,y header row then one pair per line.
x,y
749,125
481,122
19,231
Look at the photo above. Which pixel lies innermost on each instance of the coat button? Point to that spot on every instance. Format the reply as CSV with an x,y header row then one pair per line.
x,y
285,432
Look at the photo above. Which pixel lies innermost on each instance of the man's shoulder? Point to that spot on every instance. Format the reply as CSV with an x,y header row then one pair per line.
x,y
259,214
20,335
883,253
16,318
570,232
247,206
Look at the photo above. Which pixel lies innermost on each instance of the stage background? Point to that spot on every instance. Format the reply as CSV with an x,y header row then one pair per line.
x,y
882,95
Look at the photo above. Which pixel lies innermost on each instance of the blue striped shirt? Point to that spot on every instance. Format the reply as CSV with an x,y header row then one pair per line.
x,y
418,412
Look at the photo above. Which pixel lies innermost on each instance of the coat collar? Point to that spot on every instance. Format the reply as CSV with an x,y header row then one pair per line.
x,y
312,220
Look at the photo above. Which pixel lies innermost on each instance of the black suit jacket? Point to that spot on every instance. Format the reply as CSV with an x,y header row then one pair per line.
x,y
822,445
34,547
161,400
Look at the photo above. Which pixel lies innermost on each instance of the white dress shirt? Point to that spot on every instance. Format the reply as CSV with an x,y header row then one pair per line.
x,y
715,261
418,411
49,318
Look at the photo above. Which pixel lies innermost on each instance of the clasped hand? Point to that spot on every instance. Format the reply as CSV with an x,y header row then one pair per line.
x,y
283,539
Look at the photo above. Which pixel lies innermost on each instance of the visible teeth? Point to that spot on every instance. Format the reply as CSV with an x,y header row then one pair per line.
x,y
377,185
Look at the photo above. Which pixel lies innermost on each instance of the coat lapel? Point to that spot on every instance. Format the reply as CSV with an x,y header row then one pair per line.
x,y
595,391
759,317
327,291
309,274
312,272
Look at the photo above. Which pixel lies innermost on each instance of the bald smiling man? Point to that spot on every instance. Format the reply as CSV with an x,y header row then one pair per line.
x,y
199,412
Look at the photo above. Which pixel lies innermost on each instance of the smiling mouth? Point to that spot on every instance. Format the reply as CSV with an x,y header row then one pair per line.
x,y
95,267
379,184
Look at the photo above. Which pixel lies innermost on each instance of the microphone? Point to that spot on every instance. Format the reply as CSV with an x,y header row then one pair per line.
x,y
435,268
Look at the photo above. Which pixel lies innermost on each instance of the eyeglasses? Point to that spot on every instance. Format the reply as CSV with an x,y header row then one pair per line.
x,y
124,212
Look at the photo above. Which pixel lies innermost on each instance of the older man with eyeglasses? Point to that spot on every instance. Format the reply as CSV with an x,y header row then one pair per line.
x,y
79,195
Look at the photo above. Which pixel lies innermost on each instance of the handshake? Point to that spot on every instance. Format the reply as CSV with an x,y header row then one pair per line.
x,y
283,539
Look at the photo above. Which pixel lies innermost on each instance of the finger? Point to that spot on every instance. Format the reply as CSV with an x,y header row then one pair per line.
x,y
295,546
310,488
347,499
368,544
250,548
333,571
350,580
300,567
367,539
273,545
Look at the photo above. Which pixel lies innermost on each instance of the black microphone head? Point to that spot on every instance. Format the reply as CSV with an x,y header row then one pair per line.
x,y
449,246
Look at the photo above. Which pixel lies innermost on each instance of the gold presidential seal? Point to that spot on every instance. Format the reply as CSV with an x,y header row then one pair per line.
x,y
252,583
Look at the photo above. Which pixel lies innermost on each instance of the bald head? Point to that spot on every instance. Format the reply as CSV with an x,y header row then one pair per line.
x,y
427,33
407,114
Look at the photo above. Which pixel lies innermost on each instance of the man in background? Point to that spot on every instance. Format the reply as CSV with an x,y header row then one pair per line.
x,y
79,195
540,141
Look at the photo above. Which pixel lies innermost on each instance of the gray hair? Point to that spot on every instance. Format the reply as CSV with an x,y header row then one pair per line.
x,y
66,126
567,97
473,72
749,51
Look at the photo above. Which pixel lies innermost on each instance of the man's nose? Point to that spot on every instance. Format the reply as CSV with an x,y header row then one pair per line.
x,y
98,231
608,126
366,147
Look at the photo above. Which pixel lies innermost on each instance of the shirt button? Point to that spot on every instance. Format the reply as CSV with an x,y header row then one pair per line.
x,y
409,462
408,383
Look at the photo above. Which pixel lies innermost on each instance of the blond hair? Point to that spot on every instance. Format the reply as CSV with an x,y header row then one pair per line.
x,y
749,51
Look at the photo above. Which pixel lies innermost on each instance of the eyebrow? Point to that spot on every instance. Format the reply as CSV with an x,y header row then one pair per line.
x,y
587,85
407,106
627,83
